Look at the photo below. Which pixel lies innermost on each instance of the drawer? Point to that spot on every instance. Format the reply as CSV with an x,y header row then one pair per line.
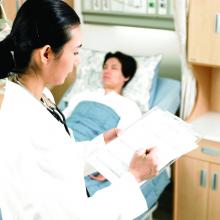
x,y
207,150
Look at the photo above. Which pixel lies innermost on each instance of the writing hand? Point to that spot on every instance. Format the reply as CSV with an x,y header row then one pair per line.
x,y
144,164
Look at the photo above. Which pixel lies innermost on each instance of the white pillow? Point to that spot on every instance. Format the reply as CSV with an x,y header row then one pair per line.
x,y
138,89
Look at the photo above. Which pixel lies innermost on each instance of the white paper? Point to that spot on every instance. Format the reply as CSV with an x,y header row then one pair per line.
x,y
172,137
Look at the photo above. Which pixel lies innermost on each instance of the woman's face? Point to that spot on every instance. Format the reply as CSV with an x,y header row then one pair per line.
x,y
62,65
112,76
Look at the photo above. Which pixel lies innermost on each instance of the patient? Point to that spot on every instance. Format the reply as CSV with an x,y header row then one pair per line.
x,y
88,111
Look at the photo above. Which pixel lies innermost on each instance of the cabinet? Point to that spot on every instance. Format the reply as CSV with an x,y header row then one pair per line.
x,y
204,41
196,175
197,181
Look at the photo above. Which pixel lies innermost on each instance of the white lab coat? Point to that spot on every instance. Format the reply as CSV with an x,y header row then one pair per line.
x,y
41,169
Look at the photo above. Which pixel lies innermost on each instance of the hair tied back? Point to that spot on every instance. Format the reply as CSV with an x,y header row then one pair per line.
x,y
7,57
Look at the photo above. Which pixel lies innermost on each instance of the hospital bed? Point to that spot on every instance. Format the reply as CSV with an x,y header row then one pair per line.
x,y
165,94
166,87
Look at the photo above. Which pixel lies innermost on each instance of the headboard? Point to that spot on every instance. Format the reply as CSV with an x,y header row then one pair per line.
x,y
136,41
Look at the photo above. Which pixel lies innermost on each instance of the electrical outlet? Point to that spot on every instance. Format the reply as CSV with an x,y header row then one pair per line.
x,y
106,5
151,6
162,7
96,5
135,6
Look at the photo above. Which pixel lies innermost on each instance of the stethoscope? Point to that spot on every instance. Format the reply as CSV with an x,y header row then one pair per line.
x,y
55,111
50,106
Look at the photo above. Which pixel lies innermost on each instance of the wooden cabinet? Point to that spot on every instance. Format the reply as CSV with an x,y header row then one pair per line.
x,y
191,196
70,2
196,175
204,42
197,182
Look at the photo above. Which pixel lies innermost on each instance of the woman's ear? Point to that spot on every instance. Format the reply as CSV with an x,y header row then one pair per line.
x,y
46,54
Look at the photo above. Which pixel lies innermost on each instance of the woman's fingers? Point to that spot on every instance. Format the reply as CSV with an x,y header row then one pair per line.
x,y
111,134
98,177
144,165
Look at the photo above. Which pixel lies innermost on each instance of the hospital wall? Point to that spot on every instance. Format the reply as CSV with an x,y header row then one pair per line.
x,y
133,40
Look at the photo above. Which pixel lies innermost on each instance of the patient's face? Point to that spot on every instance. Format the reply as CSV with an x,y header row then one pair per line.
x,y
112,77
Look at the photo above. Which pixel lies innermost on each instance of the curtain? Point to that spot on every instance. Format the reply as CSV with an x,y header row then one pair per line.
x,y
188,94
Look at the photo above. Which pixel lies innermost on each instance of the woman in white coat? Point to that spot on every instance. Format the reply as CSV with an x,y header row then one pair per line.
x,y
41,167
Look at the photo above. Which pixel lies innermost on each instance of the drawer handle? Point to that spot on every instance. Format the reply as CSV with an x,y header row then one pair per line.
x,y
210,151
203,178
214,183
217,23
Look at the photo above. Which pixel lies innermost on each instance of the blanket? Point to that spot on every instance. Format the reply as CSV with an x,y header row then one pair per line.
x,y
89,119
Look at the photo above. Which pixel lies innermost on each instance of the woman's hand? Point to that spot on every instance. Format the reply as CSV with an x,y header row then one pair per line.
x,y
111,134
98,177
144,164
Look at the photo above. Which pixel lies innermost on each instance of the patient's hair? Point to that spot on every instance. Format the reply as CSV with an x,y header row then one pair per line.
x,y
37,23
128,64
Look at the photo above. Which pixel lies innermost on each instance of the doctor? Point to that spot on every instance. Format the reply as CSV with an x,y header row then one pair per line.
x,y
41,167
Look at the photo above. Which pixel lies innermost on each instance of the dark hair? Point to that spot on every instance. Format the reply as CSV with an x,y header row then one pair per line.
x,y
37,23
128,64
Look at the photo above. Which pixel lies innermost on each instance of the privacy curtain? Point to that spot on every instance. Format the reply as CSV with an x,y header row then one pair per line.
x,y
188,94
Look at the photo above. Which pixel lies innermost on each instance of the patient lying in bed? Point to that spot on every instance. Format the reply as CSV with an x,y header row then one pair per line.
x,y
90,113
